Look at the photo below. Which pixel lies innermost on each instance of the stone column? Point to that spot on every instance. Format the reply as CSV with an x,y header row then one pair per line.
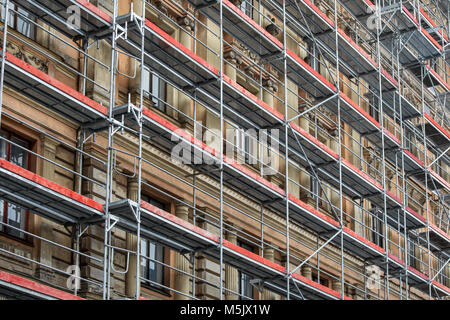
x,y
269,254
231,274
42,35
334,145
305,179
184,102
359,226
212,135
209,35
233,60
336,285
356,149
44,226
271,89
207,268
307,271
181,263
269,157
130,277
295,176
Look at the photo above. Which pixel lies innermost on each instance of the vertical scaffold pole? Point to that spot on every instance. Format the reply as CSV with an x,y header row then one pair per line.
x,y
109,165
3,57
383,159
221,151
286,154
338,84
139,173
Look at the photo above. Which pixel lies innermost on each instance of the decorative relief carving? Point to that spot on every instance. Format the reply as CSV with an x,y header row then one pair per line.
x,y
273,28
186,22
326,119
161,6
22,53
233,57
270,84
237,3
333,132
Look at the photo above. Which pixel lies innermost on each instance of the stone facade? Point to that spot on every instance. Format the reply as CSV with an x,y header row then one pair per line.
x,y
240,67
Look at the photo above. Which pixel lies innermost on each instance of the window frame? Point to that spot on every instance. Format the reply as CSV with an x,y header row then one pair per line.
x,y
243,277
158,248
159,101
9,135
16,16
246,7
325,281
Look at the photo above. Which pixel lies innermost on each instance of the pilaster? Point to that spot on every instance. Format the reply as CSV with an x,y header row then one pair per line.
x,y
44,226
181,263
231,274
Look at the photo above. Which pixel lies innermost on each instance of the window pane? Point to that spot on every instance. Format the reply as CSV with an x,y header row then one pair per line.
x,y
158,87
19,155
2,208
144,264
23,25
247,8
146,85
16,218
245,288
154,251
11,15
155,89
3,145
152,255
162,95
14,215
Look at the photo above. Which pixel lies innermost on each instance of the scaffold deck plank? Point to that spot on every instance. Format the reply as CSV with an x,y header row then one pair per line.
x,y
19,288
437,134
243,28
60,15
155,220
44,197
50,92
439,238
187,70
414,34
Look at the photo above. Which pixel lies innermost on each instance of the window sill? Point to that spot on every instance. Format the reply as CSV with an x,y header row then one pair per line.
x,y
153,289
28,242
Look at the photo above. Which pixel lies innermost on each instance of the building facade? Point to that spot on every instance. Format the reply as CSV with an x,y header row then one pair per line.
x,y
237,149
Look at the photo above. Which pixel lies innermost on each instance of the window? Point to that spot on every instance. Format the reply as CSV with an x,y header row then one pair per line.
x,y
377,227
10,214
19,20
246,7
251,147
155,89
374,104
245,287
316,191
151,270
323,281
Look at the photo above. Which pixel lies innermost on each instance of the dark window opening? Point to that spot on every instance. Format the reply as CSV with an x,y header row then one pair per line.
x,y
377,228
323,281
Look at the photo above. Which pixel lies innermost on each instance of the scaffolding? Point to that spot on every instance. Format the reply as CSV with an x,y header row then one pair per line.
x,y
376,74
